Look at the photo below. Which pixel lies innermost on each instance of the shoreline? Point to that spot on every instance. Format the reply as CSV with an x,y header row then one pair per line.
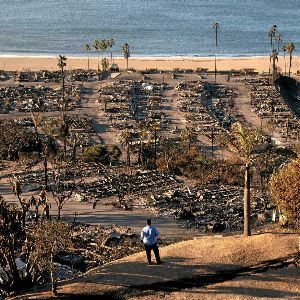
x,y
258,63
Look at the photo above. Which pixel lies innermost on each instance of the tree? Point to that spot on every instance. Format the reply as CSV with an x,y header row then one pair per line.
x,y
274,57
104,64
284,187
272,33
290,47
102,45
246,139
15,138
216,27
87,48
278,40
62,189
62,63
122,189
17,190
11,235
47,239
110,43
126,53
126,141
189,136
169,152
102,153
96,47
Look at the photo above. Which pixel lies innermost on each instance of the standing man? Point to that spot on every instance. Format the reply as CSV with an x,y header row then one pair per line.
x,y
149,236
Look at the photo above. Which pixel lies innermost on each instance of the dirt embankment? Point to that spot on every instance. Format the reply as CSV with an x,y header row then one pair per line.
x,y
208,266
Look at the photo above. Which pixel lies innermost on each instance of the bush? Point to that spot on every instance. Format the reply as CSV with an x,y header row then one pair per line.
x,y
206,170
101,153
285,191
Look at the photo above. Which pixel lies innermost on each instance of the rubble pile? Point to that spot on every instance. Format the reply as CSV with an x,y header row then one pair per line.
x,y
126,102
140,183
82,75
215,208
97,245
114,99
6,75
34,180
39,76
37,98
46,76
270,106
209,107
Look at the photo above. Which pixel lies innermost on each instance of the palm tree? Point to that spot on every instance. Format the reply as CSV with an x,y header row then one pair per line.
x,y
216,26
102,45
87,48
284,51
274,57
246,139
96,47
290,47
62,63
278,39
104,64
110,43
126,52
272,33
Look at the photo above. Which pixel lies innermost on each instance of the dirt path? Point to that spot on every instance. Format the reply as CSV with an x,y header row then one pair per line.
x,y
107,215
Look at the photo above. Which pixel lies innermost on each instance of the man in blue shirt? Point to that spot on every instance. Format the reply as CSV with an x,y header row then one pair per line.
x,y
149,236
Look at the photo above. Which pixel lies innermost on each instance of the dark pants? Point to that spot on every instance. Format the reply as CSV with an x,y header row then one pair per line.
x,y
148,249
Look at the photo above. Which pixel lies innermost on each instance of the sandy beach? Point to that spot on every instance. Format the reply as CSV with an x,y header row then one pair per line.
x,y
260,64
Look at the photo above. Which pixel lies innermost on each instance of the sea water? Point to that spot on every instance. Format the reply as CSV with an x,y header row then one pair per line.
x,y
152,28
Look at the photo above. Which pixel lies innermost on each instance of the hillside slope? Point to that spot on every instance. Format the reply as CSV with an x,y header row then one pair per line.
x,y
189,264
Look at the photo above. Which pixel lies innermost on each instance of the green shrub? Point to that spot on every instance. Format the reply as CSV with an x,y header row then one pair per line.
x,y
101,153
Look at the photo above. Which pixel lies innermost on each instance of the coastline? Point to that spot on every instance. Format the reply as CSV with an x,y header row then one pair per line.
x,y
258,63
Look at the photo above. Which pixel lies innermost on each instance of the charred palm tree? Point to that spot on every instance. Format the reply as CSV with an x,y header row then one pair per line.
x,y
126,53
246,139
110,43
216,27
96,47
290,47
272,33
62,63
274,57
103,45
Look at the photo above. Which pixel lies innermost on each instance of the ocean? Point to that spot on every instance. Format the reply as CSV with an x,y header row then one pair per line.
x,y
152,28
